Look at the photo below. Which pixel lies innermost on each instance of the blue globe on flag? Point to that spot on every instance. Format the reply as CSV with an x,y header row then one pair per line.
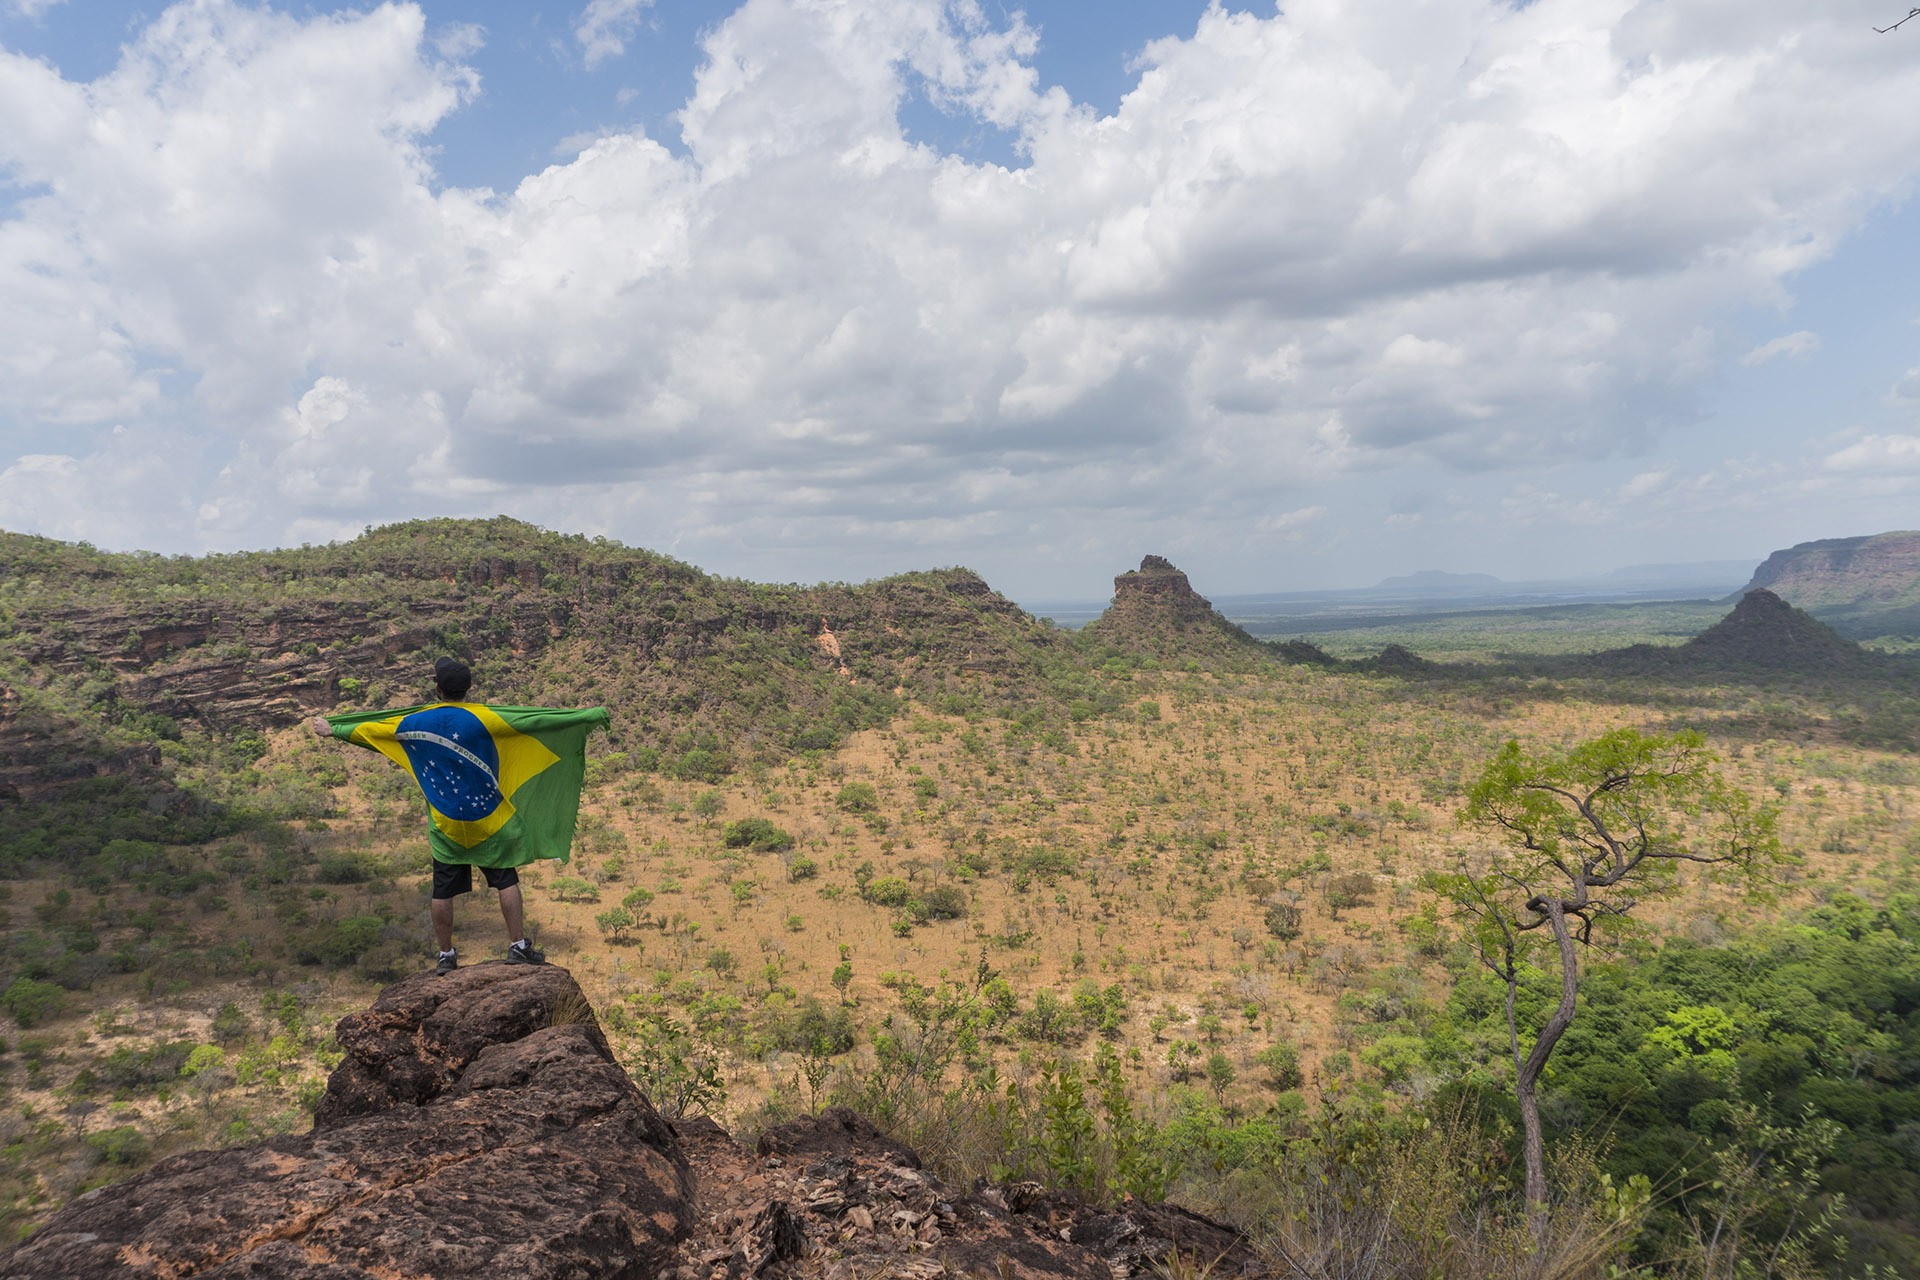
x,y
455,761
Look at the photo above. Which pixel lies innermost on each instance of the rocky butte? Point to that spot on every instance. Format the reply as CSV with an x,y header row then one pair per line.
x,y
1156,609
479,1126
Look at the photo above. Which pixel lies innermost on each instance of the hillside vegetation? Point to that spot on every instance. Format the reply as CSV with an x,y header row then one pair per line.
x,y
1142,909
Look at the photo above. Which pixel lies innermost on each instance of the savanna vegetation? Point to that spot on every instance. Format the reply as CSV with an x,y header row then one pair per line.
x,y
1130,914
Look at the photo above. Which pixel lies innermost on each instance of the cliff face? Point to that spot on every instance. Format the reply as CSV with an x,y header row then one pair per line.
x,y
478,1126
1157,591
1862,587
1882,570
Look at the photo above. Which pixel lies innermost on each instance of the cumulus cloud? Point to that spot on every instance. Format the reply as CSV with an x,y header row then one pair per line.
x,y
1878,455
604,27
1907,389
1805,342
1307,245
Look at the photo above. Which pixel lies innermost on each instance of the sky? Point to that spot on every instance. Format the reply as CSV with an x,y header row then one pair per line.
x,y
803,290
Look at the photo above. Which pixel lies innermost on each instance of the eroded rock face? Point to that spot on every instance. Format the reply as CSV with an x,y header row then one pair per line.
x,y
478,1127
464,1135
1157,585
829,1197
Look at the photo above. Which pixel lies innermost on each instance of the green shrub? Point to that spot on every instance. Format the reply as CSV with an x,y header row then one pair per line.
x,y
342,868
946,902
31,1001
124,1145
888,891
755,833
1049,1020
131,1067
813,1028
858,797
1282,1062
572,887
340,945
802,869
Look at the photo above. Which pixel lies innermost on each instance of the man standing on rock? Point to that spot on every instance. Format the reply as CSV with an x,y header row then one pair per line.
x,y
502,786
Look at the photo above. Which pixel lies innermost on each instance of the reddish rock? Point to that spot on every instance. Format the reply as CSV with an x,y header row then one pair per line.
x,y
478,1126
835,1133
416,1039
1158,586
531,1155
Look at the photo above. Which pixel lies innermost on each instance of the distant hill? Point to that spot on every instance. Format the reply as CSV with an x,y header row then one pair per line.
x,y
1862,587
1763,633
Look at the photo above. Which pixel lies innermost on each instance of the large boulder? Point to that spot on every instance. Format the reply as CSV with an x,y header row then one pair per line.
x,y
478,1126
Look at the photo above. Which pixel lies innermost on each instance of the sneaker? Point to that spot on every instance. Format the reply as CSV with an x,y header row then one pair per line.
x,y
525,953
448,963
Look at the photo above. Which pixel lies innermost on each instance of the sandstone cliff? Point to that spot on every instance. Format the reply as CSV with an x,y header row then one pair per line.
x,y
1864,587
479,1126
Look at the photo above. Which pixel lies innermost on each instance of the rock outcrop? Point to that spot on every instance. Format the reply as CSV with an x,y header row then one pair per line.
x,y
478,1126
829,1196
1157,587
1156,610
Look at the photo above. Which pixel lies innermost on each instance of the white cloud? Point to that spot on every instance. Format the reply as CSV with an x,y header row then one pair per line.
x,y
1878,455
604,27
1805,342
1291,524
1312,244
30,8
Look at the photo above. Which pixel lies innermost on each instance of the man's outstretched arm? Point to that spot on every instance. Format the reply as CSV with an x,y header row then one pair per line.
x,y
320,727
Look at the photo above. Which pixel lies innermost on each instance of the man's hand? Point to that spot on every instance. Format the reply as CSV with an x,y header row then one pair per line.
x,y
320,727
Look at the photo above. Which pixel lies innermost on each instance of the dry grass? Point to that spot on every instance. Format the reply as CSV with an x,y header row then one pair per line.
x,y
1179,829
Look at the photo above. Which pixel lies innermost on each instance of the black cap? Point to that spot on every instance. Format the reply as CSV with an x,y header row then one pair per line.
x,y
453,677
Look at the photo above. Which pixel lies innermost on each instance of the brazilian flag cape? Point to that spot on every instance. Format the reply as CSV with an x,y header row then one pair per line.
x,y
502,784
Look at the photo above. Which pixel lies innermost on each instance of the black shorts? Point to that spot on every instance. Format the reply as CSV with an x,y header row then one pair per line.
x,y
451,879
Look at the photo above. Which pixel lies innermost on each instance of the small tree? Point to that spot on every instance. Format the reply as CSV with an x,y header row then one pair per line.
x,y
1220,1075
615,923
1590,834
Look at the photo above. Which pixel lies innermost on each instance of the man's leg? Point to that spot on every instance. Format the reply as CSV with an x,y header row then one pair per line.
x,y
512,911
442,909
